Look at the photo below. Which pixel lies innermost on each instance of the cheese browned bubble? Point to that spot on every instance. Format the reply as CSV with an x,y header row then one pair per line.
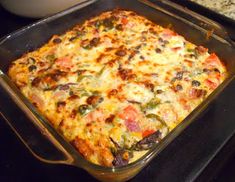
x,y
117,84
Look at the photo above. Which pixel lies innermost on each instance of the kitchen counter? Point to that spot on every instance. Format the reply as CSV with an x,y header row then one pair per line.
x,y
224,7
17,164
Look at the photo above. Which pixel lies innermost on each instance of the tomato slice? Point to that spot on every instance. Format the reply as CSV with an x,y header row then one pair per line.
x,y
124,21
167,34
129,113
212,85
213,61
175,49
147,133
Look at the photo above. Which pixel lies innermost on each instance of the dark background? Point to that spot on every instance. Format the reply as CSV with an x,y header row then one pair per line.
x,y
17,163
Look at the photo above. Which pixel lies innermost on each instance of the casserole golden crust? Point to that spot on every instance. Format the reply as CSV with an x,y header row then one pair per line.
x,y
117,84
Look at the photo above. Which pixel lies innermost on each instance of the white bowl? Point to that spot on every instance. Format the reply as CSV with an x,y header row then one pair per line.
x,y
37,8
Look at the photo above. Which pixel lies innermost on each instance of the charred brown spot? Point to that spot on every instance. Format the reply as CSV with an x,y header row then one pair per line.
x,y
80,72
107,49
110,118
108,22
41,64
121,53
205,70
101,56
160,40
112,92
197,93
133,53
94,100
216,70
85,44
73,38
133,102
149,86
158,50
57,40
142,57
111,62
126,74
200,50
36,81
159,91
60,105
73,97
73,114
94,42
119,27
144,32
57,74
151,30
52,76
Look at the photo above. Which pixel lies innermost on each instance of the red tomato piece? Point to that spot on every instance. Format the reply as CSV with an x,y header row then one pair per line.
x,y
211,84
167,33
213,61
124,21
129,113
147,133
175,49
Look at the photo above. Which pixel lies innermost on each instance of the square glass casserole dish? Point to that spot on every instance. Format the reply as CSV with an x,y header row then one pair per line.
x,y
50,146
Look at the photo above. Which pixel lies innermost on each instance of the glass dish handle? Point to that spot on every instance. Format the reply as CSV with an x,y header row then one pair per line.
x,y
210,26
36,140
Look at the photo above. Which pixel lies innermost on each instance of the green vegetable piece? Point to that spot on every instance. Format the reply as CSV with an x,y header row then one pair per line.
x,y
156,117
88,47
101,71
152,104
108,23
190,50
98,23
81,77
51,57
32,67
84,109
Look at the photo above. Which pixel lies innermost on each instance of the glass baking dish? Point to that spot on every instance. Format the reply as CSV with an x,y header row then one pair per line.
x,y
35,131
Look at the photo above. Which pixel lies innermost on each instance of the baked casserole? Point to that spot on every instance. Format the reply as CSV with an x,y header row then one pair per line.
x,y
117,84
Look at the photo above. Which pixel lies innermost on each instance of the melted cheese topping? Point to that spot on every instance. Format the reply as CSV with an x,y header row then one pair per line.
x,y
117,84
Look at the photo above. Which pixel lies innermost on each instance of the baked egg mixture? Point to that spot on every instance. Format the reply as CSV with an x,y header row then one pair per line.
x,y
117,84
